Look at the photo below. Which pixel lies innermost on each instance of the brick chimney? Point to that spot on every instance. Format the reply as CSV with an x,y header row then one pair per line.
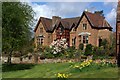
x,y
55,19
99,13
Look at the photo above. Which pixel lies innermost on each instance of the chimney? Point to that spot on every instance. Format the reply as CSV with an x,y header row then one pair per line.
x,y
55,19
99,13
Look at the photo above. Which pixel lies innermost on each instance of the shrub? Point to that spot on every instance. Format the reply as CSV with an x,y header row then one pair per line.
x,y
58,46
88,49
70,52
104,43
81,46
47,53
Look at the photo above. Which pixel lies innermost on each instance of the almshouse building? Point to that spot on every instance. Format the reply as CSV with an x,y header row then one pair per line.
x,y
90,28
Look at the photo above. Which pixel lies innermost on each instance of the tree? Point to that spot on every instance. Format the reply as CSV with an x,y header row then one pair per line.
x,y
17,18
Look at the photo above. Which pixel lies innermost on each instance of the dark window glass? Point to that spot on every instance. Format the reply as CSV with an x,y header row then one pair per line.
x,y
85,39
84,26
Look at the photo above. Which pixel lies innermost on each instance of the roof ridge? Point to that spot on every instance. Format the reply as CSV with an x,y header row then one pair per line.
x,y
45,18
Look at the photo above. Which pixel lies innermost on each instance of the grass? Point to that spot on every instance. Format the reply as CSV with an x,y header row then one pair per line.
x,y
49,71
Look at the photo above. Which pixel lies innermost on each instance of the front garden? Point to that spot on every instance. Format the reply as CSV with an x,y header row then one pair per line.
x,y
91,62
88,69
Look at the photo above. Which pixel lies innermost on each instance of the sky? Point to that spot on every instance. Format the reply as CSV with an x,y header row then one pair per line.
x,y
74,9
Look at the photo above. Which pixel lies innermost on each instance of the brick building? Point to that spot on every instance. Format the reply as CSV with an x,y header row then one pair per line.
x,y
90,28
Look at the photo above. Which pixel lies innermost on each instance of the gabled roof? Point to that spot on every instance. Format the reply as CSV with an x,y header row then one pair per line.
x,y
68,22
47,23
72,21
96,21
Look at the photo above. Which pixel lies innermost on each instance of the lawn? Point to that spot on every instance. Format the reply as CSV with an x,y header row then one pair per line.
x,y
49,71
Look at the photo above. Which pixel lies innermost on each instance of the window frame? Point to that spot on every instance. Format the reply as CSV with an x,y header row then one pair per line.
x,y
41,30
84,26
85,39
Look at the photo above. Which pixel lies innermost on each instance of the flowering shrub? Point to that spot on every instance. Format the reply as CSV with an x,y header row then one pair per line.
x,y
58,46
62,75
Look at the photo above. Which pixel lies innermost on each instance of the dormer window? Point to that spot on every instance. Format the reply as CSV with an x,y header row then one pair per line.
x,y
84,26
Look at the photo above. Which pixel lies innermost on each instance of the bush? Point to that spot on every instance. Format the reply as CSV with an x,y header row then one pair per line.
x,y
104,43
81,46
88,49
47,53
70,52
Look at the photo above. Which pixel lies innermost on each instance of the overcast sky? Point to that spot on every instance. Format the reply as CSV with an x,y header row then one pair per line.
x,y
74,9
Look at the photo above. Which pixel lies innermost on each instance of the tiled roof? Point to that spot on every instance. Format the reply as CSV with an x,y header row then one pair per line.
x,y
47,24
68,22
72,21
97,21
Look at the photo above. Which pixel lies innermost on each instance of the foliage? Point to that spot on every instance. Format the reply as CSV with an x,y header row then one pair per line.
x,y
112,45
58,46
50,69
47,53
69,53
88,49
85,65
17,19
104,43
99,51
81,46
15,67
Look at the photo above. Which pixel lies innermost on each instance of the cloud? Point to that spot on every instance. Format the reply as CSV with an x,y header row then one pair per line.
x,y
111,18
69,9
113,4
69,0
63,9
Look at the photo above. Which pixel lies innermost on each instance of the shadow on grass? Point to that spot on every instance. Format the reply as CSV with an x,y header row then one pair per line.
x,y
15,67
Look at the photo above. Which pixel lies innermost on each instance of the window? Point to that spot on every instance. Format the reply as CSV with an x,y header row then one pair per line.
x,y
41,30
85,39
40,41
74,41
80,39
84,26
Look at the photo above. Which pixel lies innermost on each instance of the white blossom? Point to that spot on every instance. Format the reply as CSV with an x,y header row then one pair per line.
x,y
59,45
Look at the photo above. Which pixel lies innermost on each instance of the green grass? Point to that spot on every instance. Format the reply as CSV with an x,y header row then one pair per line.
x,y
49,71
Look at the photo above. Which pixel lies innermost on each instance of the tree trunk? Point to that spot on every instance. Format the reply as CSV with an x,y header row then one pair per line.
x,y
9,57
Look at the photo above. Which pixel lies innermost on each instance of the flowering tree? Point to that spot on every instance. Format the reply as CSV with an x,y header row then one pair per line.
x,y
59,45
